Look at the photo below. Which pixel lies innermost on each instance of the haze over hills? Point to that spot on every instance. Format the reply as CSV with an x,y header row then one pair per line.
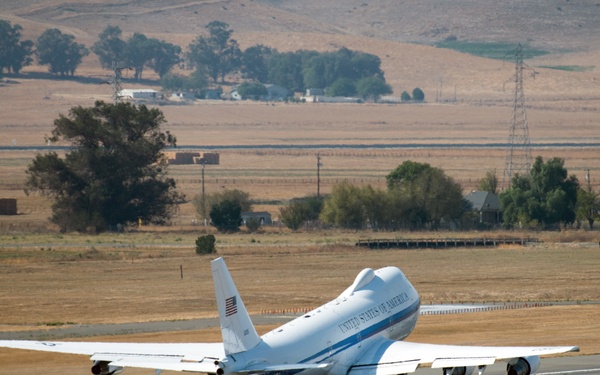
x,y
401,33
555,25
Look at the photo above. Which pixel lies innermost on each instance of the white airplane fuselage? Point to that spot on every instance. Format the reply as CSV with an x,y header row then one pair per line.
x,y
338,332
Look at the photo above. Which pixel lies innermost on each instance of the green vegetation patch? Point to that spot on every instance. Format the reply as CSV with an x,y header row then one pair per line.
x,y
570,68
491,50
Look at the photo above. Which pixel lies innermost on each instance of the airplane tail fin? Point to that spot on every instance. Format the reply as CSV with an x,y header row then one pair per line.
x,y
239,334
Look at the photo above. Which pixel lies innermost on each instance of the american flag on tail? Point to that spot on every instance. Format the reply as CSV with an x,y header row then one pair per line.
x,y
230,306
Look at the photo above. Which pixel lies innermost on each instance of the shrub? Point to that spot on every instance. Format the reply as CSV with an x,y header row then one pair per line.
x,y
205,245
252,224
418,94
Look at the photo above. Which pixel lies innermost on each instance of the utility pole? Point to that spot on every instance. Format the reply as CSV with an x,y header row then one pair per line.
x,y
518,158
319,176
203,194
588,179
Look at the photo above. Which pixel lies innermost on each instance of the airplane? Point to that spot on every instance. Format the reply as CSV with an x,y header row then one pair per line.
x,y
358,333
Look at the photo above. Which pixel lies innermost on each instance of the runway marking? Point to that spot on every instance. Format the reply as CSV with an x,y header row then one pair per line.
x,y
569,371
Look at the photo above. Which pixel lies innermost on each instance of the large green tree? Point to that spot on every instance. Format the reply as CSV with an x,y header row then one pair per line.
x,y
164,56
114,171
204,204
60,52
408,171
14,53
110,48
255,62
345,207
218,52
547,197
139,53
372,88
300,211
226,215
425,195
588,206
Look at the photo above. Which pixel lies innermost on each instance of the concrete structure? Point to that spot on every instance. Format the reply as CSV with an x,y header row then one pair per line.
x,y
487,205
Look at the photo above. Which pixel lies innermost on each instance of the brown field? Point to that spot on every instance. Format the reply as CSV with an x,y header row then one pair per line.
x,y
143,284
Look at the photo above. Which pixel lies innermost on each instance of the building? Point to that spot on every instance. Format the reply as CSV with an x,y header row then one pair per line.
x,y
487,205
183,95
263,217
276,92
8,206
181,158
139,94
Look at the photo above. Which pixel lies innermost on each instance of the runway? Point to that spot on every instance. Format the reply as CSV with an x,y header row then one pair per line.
x,y
570,365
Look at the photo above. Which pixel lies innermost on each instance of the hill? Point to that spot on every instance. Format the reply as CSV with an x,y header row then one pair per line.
x,y
401,33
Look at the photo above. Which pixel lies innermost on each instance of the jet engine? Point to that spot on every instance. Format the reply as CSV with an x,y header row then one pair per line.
x,y
103,368
523,366
459,370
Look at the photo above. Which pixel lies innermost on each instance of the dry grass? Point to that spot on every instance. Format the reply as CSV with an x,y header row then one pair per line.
x,y
143,283
144,289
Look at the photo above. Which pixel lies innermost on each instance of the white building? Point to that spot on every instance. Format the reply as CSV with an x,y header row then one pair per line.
x,y
139,94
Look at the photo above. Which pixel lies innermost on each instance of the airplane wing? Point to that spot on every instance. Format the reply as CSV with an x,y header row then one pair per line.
x,y
388,357
199,357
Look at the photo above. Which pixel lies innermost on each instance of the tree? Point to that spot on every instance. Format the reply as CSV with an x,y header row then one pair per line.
x,y
139,53
418,94
285,69
14,53
375,202
372,88
489,183
60,52
218,52
408,171
242,198
547,197
252,90
164,56
405,96
587,207
110,48
342,87
439,195
366,65
114,171
226,215
301,211
344,207
255,62
425,195
205,244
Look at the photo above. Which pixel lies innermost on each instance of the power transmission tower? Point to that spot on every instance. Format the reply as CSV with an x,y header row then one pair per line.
x,y
518,158
115,81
